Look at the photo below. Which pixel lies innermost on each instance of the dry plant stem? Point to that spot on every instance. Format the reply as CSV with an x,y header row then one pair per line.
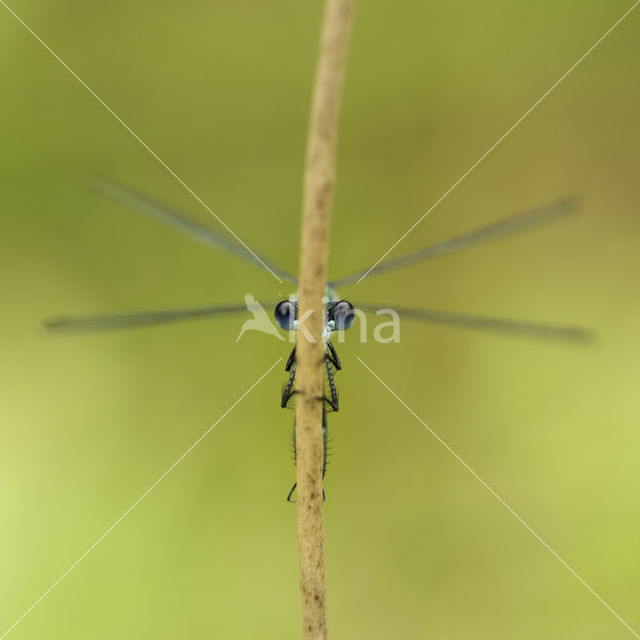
x,y
316,216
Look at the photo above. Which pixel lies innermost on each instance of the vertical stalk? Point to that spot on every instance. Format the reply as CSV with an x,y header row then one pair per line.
x,y
316,217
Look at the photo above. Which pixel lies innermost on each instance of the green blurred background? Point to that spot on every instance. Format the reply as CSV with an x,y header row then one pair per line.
x,y
416,546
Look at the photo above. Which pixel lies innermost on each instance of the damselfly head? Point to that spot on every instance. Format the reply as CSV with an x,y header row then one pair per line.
x,y
339,315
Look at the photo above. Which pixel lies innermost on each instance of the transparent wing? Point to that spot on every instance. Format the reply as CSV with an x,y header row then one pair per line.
x,y
165,214
489,323
136,319
514,224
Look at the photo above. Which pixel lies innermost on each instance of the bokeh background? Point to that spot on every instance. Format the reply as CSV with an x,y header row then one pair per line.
x,y
416,546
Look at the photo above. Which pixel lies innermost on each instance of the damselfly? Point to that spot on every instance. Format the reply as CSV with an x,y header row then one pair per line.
x,y
339,313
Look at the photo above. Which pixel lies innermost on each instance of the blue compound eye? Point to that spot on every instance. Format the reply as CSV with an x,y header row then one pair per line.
x,y
343,315
285,314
